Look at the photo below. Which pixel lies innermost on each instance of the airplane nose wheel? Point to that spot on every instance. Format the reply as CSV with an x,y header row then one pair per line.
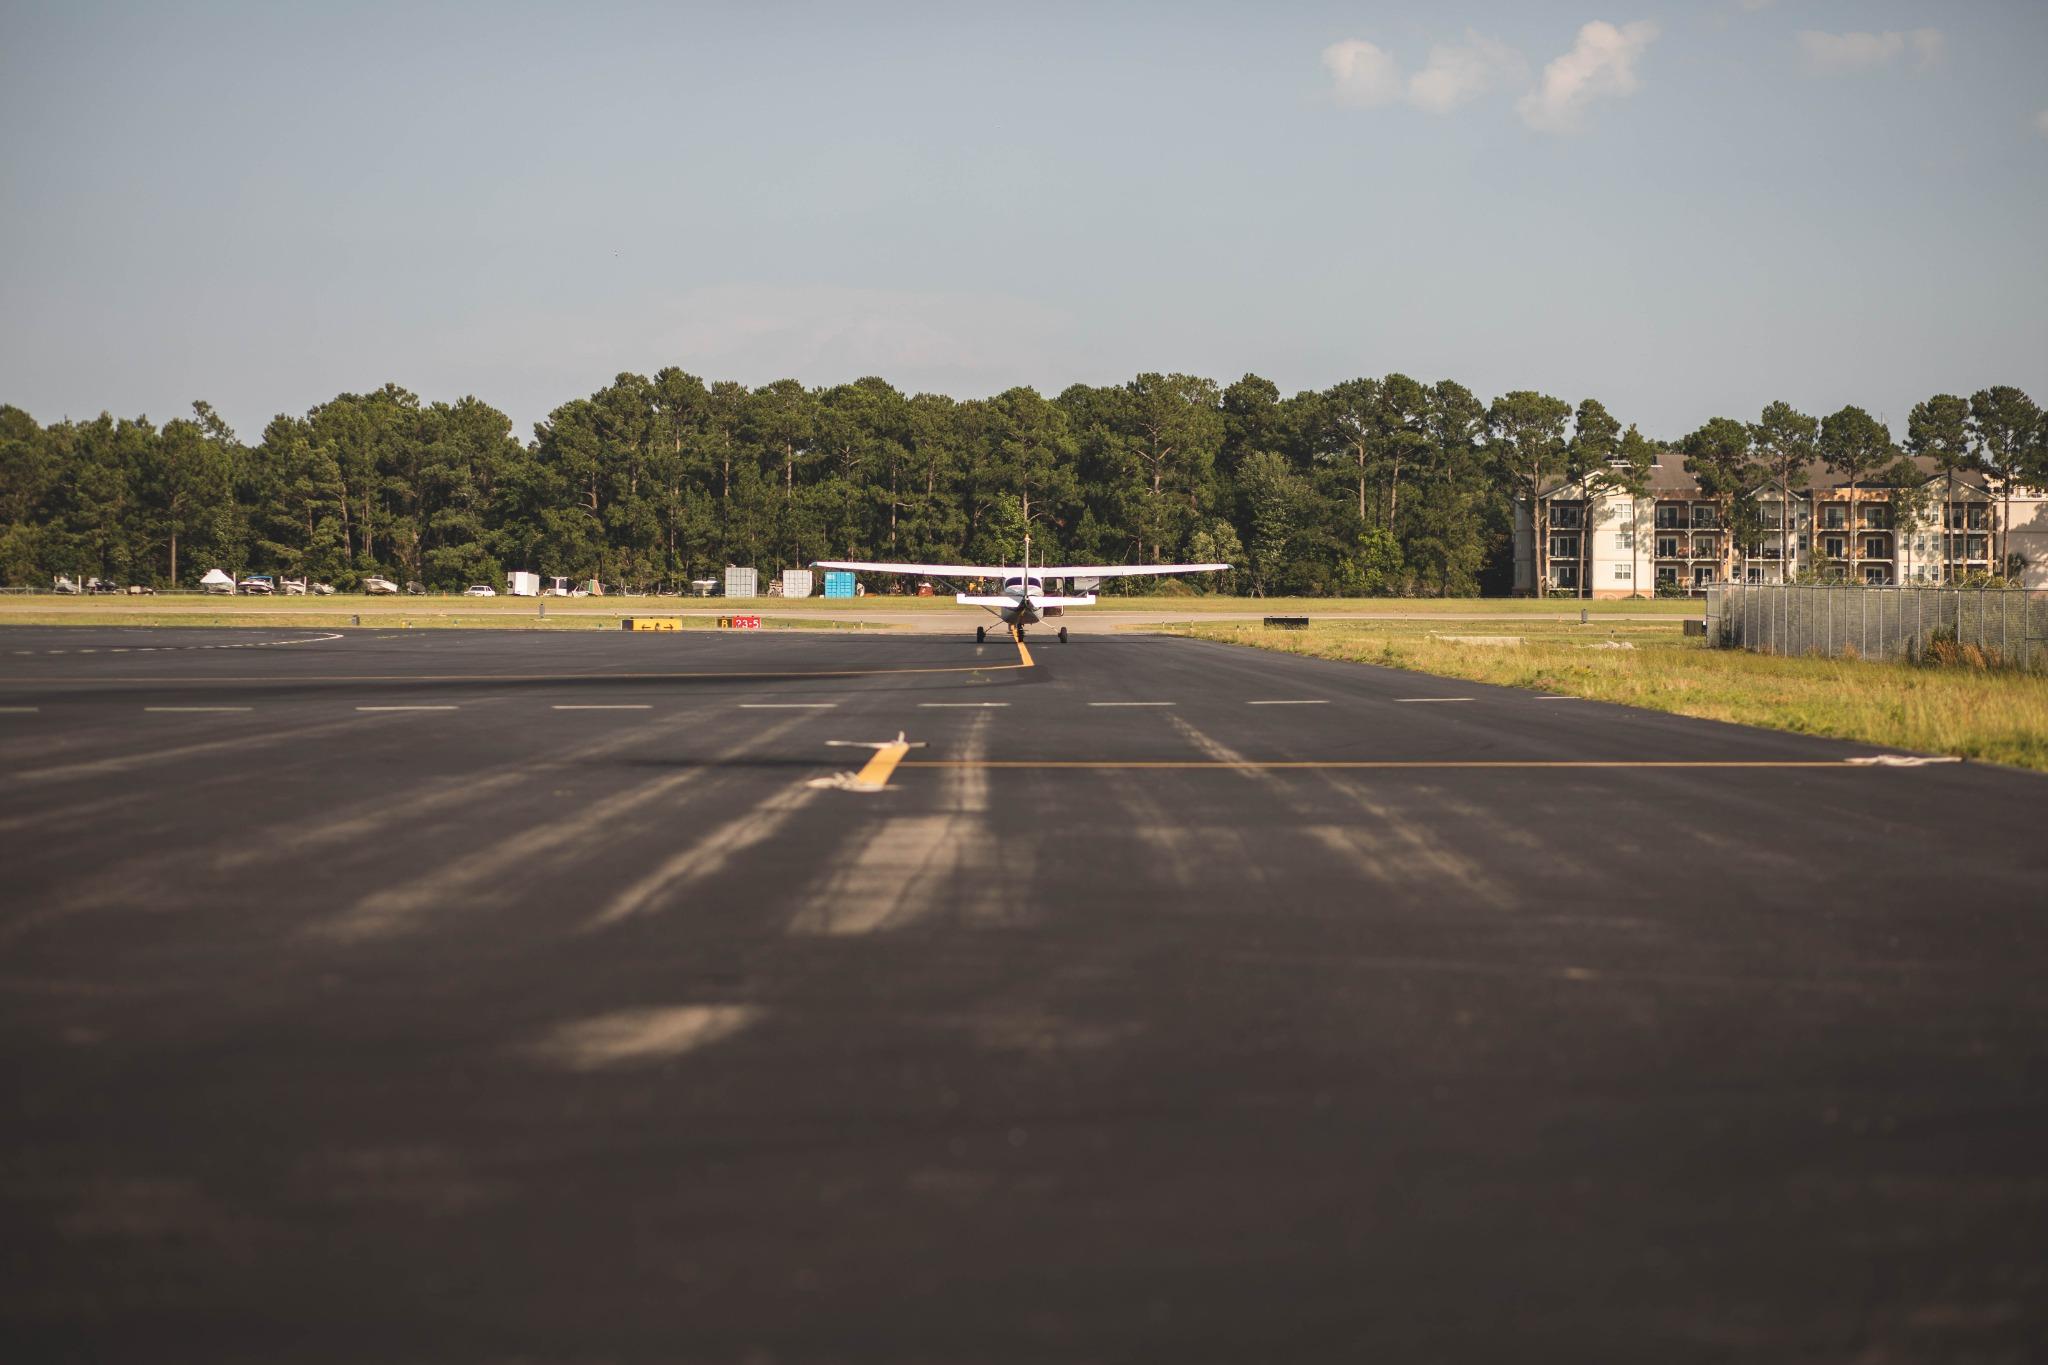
x,y
1063,634
981,635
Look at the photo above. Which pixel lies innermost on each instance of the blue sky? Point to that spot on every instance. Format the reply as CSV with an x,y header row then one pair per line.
x,y
1684,209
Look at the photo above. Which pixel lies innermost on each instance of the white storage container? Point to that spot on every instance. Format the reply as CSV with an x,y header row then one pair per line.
x,y
796,582
742,583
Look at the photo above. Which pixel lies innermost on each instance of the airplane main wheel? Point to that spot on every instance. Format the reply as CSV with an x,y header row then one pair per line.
x,y
1063,634
981,635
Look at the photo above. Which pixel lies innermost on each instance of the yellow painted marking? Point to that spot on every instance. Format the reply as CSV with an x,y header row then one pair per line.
x,y
1263,765
877,769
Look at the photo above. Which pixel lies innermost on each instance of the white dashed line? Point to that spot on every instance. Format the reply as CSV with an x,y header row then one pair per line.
x,y
1130,703
19,710
194,710
1293,701
787,705
958,705
1557,699
1412,700
406,708
606,706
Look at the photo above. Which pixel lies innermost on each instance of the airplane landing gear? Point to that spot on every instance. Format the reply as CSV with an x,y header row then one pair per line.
x,y
1063,634
981,635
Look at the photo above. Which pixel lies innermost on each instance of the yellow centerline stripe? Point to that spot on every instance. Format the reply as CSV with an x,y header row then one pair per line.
x,y
1218,765
877,769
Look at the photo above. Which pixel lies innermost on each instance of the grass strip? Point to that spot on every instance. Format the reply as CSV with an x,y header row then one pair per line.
x,y
1995,717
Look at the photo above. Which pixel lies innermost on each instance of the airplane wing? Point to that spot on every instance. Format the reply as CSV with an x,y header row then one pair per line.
x,y
921,570
1038,571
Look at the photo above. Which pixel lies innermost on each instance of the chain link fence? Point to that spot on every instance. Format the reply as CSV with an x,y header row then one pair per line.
x,y
1998,627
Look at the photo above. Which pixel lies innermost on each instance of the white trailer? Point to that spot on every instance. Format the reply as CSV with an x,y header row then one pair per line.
x,y
519,583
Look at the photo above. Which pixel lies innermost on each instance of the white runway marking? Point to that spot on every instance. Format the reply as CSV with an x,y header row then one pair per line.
x,y
406,708
1131,703
787,705
1409,700
956,705
605,706
1292,701
1559,698
19,710
195,710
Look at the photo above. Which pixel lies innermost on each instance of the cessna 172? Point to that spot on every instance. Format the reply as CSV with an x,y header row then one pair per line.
x,y
1024,600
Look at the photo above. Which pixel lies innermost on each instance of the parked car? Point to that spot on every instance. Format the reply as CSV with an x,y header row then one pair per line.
x,y
379,587
257,585
479,590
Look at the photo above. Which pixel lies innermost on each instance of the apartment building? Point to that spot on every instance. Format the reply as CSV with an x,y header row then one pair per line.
x,y
1670,539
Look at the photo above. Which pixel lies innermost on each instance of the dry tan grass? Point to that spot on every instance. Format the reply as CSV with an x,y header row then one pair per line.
x,y
1994,716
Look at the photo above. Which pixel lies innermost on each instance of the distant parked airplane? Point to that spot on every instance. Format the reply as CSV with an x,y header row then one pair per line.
x,y
1023,600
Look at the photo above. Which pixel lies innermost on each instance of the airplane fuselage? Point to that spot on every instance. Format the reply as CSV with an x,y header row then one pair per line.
x,y
1022,611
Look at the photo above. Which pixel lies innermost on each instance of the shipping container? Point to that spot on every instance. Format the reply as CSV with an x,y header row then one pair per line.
x,y
796,582
742,583
838,582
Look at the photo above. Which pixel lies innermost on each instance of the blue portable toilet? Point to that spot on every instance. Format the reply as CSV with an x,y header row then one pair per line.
x,y
838,582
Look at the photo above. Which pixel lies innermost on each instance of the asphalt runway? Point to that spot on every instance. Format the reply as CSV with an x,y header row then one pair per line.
x,y
480,996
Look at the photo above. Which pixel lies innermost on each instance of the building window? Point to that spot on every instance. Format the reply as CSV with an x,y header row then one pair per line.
x,y
1564,516
1834,547
1703,516
1670,517
1564,547
1668,547
1625,538
1834,518
1624,573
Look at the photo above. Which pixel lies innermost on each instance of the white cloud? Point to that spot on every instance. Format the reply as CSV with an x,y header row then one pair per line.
x,y
1835,52
1457,74
1366,76
1600,65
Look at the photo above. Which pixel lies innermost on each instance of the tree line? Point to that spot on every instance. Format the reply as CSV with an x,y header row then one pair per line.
x,y
1383,486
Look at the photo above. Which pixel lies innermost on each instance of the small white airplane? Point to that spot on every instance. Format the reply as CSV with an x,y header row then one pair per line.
x,y
1024,600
